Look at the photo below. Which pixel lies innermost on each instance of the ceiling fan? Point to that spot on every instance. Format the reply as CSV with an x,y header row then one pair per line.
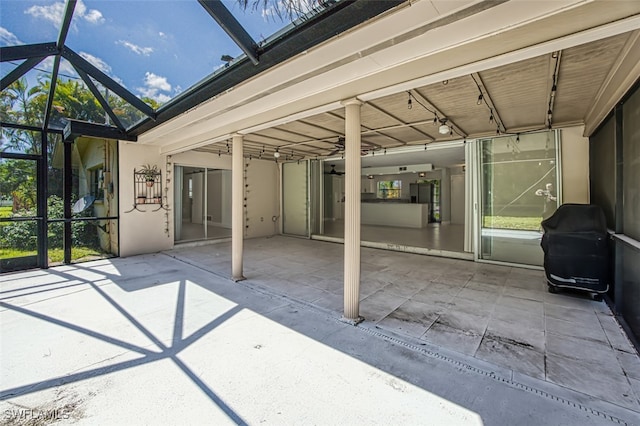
x,y
333,171
339,146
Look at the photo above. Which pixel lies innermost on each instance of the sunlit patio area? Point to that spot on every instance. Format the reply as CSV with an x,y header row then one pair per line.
x,y
168,338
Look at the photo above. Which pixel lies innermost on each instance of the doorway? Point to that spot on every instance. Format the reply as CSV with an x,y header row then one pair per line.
x,y
518,188
20,216
202,203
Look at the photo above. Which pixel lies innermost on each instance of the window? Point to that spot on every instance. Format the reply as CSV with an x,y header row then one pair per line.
x,y
97,183
389,189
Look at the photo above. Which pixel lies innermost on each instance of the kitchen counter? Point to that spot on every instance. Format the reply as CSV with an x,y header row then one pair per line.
x,y
395,214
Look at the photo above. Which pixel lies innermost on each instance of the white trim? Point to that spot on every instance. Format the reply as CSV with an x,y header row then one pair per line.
x,y
628,240
623,74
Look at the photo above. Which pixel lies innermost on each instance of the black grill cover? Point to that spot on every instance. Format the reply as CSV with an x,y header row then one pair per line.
x,y
576,251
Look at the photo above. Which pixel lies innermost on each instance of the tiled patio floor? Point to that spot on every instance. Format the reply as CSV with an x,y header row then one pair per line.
x,y
496,314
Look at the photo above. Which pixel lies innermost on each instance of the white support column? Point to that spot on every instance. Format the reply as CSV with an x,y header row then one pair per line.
x,y
237,207
352,212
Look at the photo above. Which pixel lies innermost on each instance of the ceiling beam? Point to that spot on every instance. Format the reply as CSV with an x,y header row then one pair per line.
x,y
393,117
554,76
66,23
52,93
19,71
84,128
319,127
488,101
369,130
79,62
232,27
103,102
622,76
18,53
423,99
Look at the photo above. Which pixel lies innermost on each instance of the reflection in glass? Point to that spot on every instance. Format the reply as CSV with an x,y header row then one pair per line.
x,y
518,191
23,102
20,141
94,168
18,237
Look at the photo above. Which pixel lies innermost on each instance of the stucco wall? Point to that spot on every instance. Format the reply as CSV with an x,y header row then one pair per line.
x,y
575,166
143,230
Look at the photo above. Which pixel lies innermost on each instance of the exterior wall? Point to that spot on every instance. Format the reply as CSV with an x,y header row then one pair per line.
x,y
94,154
575,166
144,231
141,231
262,180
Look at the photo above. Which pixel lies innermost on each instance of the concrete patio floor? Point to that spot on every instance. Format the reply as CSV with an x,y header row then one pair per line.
x,y
168,339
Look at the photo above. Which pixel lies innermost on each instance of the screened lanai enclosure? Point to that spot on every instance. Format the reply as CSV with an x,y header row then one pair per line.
x,y
74,84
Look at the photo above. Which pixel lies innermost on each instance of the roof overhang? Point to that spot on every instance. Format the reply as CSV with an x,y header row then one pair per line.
x,y
419,43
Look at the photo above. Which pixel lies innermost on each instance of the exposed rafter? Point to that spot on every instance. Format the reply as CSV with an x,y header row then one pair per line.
x,y
19,71
232,27
84,128
52,93
420,98
552,86
62,36
79,62
66,23
18,53
368,131
393,117
103,102
489,101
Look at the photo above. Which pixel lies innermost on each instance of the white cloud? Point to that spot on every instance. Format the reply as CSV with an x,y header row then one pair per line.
x,y
153,86
55,12
157,82
146,51
102,66
96,62
161,34
65,70
7,38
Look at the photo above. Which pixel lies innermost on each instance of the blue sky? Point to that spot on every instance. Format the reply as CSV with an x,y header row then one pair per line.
x,y
155,48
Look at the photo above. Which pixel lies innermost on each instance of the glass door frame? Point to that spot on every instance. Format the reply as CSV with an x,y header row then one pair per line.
x,y
39,218
41,200
477,188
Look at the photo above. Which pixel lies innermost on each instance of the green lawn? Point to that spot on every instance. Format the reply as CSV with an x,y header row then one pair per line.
x,y
510,222
5,211
55,255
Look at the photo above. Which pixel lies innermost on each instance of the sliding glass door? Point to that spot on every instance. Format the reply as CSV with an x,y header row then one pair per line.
x,y
295,199
518,189
202,203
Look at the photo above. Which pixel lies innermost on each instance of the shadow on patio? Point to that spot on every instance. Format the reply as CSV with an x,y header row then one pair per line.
x,y
152,339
